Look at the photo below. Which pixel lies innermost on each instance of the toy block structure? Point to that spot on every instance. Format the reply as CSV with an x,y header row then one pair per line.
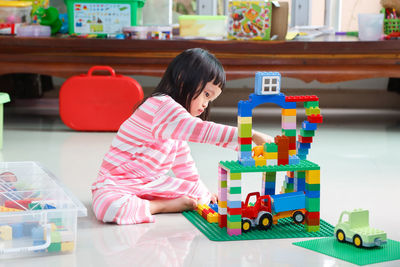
x,y
287,154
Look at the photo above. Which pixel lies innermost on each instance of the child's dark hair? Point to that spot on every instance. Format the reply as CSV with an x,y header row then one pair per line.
x,y
187,75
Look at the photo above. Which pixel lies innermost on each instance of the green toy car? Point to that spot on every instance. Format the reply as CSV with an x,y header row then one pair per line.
x,y
357,231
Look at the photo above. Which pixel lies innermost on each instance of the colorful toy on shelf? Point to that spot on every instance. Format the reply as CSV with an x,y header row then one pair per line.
x,y
48,17
286,154
356,230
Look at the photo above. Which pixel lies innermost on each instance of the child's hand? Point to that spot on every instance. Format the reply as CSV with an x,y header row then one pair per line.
x,y
214,198
259,138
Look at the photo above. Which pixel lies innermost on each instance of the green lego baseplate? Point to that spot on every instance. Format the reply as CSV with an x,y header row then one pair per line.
x,y
348,252
236,167
284,229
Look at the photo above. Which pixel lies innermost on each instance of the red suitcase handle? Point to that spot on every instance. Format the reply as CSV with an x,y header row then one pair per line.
x,y
106,68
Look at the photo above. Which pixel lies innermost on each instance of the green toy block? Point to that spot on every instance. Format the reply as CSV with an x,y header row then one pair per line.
x,y
300,174
224,184
235,190
311,104
54,247
289,186
235,225
245,147
270,176
55,237
312,204
245,130
307,133
313,187
235,176
348,252
236,167
286,132
285,228
311,228
34,206
270,147
4,98
235,218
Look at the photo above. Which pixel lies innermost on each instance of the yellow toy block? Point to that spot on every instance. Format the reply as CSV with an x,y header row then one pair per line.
x,y
6,232
200,208
288,112
212,217
289,119
246,120
5,209
292,152
67,246
270,155
313,176
222,204
260,161
310,111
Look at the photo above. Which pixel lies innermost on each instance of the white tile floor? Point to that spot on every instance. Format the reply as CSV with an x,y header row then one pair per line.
x,y
358,152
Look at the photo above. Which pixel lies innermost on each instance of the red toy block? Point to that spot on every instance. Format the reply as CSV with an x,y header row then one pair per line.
x,y
303,139
292,146
204,213
281,140
283,161
315,118
222,220
245,140
22,202
234,211
301,98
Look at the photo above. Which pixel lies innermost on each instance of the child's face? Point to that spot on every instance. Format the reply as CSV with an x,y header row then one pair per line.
x,y
200,103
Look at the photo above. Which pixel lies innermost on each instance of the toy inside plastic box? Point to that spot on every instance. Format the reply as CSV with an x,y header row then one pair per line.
x,y
103,16
249,20
12,14
37,213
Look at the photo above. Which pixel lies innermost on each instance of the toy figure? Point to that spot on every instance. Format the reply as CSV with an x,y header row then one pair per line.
x,y
49,17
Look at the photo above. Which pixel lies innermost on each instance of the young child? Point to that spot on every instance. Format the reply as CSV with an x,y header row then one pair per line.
x,y
133,181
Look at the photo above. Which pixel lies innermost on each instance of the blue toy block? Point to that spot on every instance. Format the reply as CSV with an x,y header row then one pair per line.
x,y
244,154
38,243
278,99
302,151
247,162
303,145
313,194
274,81
234,204
269,191
270,185
213,206
28,226
306,125
289,180
294,160
302,157
289,201
48,207
17,230
245,109
37,233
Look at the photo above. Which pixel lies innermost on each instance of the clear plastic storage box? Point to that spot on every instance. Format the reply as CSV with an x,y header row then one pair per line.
x,y
13,14
38,215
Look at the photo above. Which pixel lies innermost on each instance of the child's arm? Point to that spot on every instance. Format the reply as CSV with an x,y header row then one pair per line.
x,y
172,121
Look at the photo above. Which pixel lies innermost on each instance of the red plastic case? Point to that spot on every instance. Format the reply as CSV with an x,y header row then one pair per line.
x,y
98,103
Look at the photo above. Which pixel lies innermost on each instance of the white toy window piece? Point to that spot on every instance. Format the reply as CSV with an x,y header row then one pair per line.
x,y
270,85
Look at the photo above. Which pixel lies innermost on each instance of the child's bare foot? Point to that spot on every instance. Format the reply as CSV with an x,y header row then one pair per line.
x,y
172,205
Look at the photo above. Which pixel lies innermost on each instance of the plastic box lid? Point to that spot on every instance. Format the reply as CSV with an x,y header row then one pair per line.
x,y
23,180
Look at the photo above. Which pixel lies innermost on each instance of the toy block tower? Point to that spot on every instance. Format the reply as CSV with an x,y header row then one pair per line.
x,y
286,154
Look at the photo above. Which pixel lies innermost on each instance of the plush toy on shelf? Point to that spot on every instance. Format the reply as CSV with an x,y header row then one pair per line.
x,y
49,17
392,7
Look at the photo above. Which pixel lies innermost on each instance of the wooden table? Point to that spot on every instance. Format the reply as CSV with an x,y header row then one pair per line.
x,y
325,61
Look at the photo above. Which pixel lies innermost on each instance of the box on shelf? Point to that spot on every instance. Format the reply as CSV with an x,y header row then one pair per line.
x,y
13,14
249,20
202,26
103,16
37,213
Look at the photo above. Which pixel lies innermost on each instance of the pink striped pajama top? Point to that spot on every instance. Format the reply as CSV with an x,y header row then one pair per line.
x,y
149,144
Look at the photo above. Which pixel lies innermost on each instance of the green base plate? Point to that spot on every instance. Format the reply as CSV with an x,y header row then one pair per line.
x,y
284,229
348,252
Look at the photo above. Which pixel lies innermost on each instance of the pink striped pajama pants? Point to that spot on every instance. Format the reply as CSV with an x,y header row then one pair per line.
x,y
130,204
